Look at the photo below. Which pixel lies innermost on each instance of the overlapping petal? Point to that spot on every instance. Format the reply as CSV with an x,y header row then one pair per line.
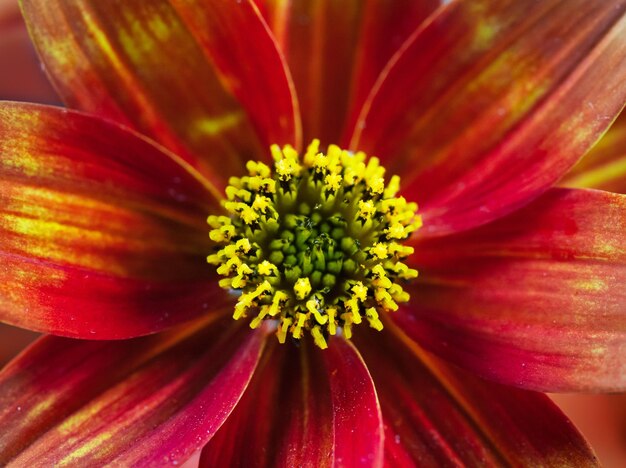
x,y
490,103
604,167
387,24
304,407
205,78
102,234
335,51
437,415
142,402
535,300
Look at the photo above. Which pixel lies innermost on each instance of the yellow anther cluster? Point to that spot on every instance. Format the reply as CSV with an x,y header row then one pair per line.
x,y
313,243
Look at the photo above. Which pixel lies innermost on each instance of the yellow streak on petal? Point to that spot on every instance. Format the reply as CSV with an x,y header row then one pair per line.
x,y
42,239
217,124
117,64
599,350
160,28
485,28
85,449
578,129
73,422
22,160
42,406
599,176
484,34
145,36
592,285
105,45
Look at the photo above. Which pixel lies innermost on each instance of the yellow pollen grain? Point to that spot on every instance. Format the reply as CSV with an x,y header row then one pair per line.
x,y
360,291
215,125
302,288
366,209
266,268
333,181
380,250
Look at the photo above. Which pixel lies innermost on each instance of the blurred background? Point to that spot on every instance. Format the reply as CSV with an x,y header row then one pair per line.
x,y
601,418
21,77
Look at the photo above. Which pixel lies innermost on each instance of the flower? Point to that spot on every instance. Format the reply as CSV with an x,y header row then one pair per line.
x,y
481,107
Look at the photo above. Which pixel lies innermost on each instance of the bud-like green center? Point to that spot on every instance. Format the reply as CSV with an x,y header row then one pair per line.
x,y
314,243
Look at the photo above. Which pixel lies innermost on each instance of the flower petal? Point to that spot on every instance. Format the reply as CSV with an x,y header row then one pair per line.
x,y
183,73
142,402
604,167
102,234
437,415
333,46
491,103
356,410
304,407
535,300
387,24
318,39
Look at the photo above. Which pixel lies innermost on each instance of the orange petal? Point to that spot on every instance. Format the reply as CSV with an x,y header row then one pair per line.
x,y
536,299
182,73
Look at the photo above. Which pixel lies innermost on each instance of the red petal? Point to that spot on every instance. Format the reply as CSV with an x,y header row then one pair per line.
x,y
357,416
304,407
142,402
534,300
387,24
102,234
174,71
604,167
436,415
250,63
335,51
492,102
318,39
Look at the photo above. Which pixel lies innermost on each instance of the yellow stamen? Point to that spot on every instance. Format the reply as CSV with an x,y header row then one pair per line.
x,y
314,243
318,337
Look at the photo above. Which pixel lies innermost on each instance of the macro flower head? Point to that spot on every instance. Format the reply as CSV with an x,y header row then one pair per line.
x,y
320,233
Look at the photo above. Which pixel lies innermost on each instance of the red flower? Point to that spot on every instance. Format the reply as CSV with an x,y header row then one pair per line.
x,y
480,106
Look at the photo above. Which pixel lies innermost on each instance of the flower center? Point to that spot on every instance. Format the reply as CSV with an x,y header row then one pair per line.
x,y
314,243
